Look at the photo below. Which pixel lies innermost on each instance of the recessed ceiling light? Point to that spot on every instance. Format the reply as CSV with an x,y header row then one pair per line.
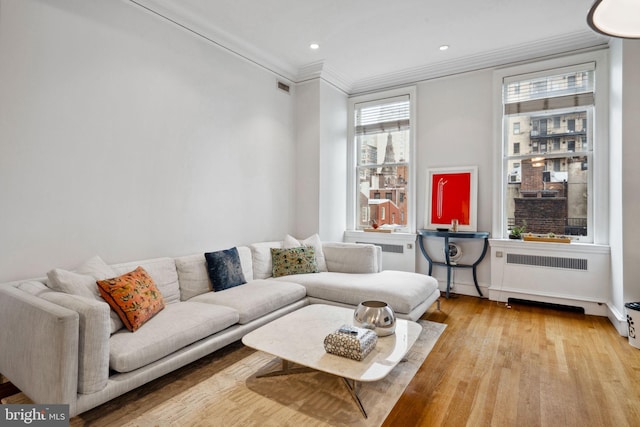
x,y
444,47
314,46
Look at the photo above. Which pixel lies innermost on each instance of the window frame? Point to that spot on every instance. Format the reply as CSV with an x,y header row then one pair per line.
x,y
598,184
352,155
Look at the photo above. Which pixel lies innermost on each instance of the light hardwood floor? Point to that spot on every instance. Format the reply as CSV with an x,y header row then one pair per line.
x,y
522,366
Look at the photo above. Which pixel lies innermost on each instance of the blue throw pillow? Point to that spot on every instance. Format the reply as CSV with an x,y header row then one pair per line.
x,y
224,269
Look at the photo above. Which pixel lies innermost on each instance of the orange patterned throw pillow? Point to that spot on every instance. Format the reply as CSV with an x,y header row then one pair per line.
x,y
134,296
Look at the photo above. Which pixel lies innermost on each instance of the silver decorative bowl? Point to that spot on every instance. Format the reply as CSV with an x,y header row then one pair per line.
x,y
375,315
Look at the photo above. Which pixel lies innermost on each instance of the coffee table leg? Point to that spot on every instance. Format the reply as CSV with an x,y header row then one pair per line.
x,y
352,386
286,370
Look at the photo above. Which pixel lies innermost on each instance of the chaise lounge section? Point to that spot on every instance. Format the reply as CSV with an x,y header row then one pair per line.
x,y
63,344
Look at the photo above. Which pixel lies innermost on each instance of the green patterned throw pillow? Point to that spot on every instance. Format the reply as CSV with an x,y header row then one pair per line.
x,y
299,260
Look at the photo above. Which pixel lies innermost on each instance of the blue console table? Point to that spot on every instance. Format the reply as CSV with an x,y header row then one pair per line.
x,y
446,235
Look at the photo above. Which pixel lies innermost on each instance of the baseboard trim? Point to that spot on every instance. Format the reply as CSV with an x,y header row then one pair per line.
x,y
595,308
618,320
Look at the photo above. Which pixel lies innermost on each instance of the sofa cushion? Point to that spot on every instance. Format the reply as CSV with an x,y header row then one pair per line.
x,y
224,269
402,290
193,275
162,271
134,296
261,255
314,241
301,260
73,283
82,282
247,263
34,287
352,257
175,327
255,298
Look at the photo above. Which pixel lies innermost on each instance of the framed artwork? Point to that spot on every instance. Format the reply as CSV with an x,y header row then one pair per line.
x,y
452,193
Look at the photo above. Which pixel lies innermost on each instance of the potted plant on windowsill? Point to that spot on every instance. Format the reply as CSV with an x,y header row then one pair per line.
x,y
517,231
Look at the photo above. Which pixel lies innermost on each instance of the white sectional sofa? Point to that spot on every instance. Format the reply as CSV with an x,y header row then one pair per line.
x,y
66,348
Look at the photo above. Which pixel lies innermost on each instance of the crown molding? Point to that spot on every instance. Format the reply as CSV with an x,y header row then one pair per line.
x,y
174,12
320,70
493,58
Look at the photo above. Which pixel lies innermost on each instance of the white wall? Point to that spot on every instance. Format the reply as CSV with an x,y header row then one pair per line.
x,y
321,166
625,135
631,171
624,204
307,101
455,128
615,182
332,192
125,136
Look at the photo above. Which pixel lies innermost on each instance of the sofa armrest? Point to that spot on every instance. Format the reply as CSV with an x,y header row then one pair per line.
x,y
39,342
352,257
93,339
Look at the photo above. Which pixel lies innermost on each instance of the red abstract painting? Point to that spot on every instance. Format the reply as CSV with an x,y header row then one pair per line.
x,y
450,198
452,195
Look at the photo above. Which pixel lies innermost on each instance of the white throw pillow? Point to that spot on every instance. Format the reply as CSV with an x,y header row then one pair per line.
x,y
73,283
313,241
261,259
82,282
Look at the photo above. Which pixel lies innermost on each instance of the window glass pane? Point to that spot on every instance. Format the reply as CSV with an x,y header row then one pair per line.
x,y
383,188
382,137
379,148
547,170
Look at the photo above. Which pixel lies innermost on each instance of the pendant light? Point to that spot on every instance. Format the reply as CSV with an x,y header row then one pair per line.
x,y
616,18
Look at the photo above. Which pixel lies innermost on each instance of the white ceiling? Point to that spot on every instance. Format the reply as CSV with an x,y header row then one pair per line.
x,y
368,44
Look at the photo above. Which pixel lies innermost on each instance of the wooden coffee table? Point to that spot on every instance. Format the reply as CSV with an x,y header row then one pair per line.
x,y
298,337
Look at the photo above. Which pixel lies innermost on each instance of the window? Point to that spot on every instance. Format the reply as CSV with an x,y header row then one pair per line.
x,y
553,193
382,145
516,128
516,148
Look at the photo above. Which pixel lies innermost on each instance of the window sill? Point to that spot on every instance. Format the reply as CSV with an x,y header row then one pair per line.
x,y
589,248
350,235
